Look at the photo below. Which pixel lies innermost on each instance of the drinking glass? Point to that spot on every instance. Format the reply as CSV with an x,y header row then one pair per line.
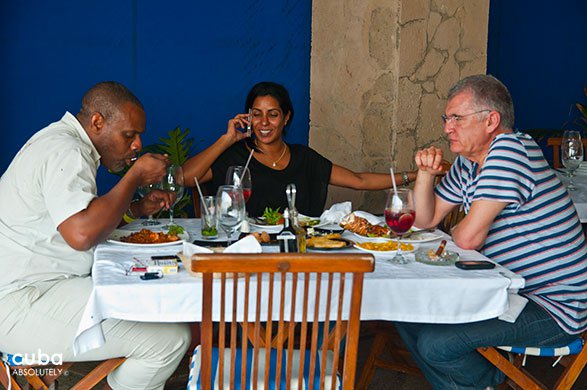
x,y
240,176
399,215
230,208
209,220
571,154
143,191
173,182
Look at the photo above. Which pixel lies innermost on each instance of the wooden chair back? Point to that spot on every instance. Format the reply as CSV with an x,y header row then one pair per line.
x,y
45,382
556,142
281,292
452,219
518,377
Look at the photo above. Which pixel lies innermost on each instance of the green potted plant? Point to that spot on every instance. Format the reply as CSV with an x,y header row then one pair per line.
x,y
177,146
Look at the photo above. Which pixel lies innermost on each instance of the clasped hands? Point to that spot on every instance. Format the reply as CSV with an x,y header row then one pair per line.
x,y
431,160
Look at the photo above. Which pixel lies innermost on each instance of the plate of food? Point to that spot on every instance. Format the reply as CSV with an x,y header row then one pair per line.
x,y
383,247
271,221
328,242
416,236
361,227
430,257
147,238
308,222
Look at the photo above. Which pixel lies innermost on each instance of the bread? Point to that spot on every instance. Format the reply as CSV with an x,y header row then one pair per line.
x,y
328,241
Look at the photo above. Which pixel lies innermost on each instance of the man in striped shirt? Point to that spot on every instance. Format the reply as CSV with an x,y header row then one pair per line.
x,y
518,214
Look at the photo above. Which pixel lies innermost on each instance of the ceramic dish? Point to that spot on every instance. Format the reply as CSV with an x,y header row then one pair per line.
x,y
382,243
421,236
268,228
116,236
348,244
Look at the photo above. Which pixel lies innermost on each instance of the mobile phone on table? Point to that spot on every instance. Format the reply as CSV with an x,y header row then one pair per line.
x,y
165,257
474,264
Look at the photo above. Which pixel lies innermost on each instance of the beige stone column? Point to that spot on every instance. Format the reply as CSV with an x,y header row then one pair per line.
x,y
380,71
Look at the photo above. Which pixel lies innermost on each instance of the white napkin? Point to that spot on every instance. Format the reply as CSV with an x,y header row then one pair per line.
x,y
335,213
516,304
248,244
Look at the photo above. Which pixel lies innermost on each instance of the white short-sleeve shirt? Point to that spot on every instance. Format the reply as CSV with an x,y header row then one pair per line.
x,y
51,178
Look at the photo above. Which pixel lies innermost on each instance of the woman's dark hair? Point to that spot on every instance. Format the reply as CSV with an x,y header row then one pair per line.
x,y
277,91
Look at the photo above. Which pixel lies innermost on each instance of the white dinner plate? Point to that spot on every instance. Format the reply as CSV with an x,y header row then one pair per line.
x,y
366,238
417,237
271,229
116,235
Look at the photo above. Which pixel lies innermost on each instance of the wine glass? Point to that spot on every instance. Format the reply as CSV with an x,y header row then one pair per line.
x,y
230,206
571,154
143,191
173,182
241,177
399,215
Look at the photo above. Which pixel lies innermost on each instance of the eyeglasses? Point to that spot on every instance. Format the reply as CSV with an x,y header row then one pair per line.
x,y
457,118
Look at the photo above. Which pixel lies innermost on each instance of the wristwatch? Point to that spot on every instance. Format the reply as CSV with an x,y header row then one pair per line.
x,y
405,178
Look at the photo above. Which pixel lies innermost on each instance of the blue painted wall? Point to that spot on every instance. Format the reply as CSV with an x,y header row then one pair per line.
x,y
537,48
190,62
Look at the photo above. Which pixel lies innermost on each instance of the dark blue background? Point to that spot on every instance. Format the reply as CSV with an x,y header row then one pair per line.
x,y
537,48
192,63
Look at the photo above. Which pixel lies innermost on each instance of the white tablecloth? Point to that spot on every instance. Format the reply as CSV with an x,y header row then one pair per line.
x,y
579,196
413,292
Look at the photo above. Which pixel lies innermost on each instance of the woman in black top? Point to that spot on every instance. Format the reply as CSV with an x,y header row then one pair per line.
x,y
275,164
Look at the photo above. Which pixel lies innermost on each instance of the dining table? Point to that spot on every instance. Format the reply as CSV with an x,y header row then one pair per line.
x,y
414,292
578,196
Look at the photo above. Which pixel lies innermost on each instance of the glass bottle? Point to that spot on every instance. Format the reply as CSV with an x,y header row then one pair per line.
x,y
287,238
299,231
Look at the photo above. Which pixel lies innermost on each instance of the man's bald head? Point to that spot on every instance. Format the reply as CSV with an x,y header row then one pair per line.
x,y
107,98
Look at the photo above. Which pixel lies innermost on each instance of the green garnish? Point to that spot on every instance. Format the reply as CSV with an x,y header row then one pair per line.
x,y
211,231
175,230
272,217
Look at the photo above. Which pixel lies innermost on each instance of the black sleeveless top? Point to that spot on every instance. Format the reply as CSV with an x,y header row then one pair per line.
x,y
307,169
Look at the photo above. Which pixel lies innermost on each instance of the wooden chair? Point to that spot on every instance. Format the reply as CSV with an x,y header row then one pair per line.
x,y
452,219
46,382
386,339
556,142
573,357
311,278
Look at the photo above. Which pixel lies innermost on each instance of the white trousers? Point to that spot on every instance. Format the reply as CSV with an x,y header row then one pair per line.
x,y
45,319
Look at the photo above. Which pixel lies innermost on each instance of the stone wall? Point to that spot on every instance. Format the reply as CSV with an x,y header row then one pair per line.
x,y
380,71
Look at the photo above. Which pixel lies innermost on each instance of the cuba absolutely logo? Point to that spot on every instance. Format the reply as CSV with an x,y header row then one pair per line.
x,y
26,359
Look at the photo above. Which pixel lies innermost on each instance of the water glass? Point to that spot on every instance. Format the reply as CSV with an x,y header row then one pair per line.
x,y
230,208
571,154
209,218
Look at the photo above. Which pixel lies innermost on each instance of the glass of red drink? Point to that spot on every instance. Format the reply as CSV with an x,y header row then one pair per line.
x,y
399,215
240,176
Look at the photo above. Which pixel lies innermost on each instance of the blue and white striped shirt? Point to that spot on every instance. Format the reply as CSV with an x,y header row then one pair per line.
x,y
538,234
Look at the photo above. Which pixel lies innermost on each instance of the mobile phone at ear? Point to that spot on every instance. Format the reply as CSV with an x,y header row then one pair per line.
x,y
474,264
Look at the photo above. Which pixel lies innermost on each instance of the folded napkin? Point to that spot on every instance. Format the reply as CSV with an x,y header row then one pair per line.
x,y
248,244
335,213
